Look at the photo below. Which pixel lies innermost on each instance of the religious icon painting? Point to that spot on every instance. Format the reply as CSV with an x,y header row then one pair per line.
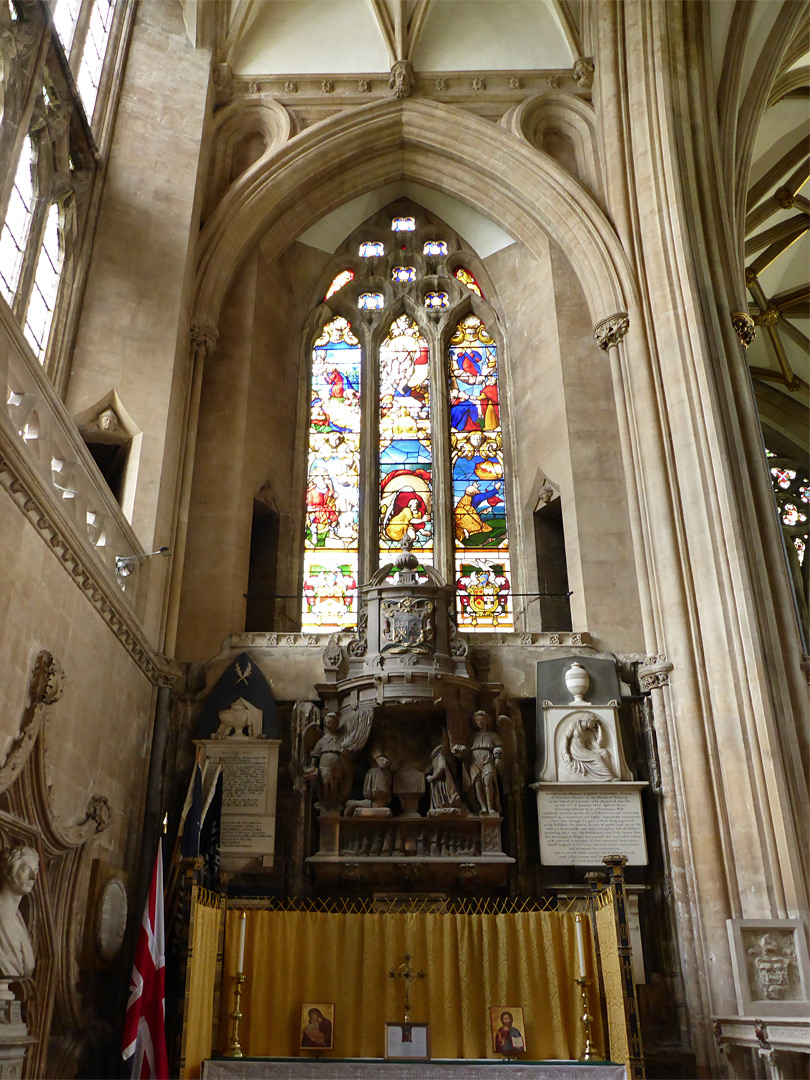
x,y
508,1027
407,1042
317,1026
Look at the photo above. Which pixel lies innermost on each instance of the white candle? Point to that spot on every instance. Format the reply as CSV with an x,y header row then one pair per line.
x,y
580,947
240,963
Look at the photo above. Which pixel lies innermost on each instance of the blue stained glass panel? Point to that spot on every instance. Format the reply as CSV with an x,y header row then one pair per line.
x,y
372,249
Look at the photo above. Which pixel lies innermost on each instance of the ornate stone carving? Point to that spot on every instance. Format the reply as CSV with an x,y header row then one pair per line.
x,y
553,82
98,811
612,330
203,336
47,679
332,655
290,87
401,80
327,86
363,86
488,754
769,317
744,327
584,754
441,84
408,626
785,197
331,757
479,84
515,83
772,954
242,720
19,867
445,799
253,88
583,72
654,672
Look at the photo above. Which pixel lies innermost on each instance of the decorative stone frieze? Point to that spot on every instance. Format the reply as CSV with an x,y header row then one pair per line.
x,y
744,327
612,330
654,672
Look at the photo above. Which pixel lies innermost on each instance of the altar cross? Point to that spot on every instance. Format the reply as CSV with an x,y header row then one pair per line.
x,y
406,972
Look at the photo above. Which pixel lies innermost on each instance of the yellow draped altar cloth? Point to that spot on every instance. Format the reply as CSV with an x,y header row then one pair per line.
x,y
198,1012
471,961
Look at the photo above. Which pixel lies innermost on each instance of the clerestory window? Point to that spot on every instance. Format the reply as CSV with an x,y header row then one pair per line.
x,y
405,441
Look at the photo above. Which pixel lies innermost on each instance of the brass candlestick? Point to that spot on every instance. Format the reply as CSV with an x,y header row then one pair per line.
x,y
234,1048
590,1051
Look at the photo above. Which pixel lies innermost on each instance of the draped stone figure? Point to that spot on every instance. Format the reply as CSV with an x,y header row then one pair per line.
x,y
583,754
19,867
332,755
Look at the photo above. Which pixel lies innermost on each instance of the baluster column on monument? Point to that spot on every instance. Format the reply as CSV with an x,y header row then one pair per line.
x,y
203,340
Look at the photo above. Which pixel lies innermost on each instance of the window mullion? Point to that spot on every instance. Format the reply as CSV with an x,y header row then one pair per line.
x,y
369,541
442,476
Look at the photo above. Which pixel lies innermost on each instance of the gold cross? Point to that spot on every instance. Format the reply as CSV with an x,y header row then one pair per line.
x,y
406,972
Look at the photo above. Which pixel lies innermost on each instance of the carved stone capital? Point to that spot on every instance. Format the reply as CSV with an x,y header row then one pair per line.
x,y
654,672
610,331
744,326
769,317
203,336
583,72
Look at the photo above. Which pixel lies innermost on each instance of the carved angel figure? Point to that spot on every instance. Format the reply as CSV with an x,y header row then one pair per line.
x,y
489,754
583,753
332,753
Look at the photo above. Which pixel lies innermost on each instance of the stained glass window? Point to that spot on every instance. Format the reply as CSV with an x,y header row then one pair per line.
x,y
791,487
466,278
482,567
405,441
339,281
403,274
17,225
460,497
333,481
436,300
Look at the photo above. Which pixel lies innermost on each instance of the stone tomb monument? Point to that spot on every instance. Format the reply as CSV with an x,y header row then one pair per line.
x,y
588,804
19,867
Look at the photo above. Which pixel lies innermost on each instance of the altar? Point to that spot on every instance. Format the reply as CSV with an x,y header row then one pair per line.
x,y
364,1069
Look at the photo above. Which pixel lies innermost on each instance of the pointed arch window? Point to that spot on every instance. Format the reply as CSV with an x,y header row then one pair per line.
x,y
405,435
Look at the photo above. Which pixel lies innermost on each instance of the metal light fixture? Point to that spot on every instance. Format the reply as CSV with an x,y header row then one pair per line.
x,y
125,564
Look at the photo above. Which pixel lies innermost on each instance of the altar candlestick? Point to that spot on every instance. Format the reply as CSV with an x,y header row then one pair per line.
x,y
240,963
581,947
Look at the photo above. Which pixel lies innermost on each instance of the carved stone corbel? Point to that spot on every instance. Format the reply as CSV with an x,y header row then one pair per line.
x,y
203,337
744,327
654,672
583,72
612,330
401,81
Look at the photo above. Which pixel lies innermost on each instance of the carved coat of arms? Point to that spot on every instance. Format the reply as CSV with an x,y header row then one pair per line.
x,y
408,625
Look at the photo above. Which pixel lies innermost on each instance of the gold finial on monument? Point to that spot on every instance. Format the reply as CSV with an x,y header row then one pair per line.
x,y
406,972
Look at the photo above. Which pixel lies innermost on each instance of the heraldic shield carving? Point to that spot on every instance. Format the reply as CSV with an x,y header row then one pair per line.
x,y
408,626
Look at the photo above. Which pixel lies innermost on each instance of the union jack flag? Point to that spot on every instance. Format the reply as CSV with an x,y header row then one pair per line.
x,y
144,1025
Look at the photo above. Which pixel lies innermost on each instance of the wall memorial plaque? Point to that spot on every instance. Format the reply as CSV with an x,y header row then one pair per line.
x,y
581,823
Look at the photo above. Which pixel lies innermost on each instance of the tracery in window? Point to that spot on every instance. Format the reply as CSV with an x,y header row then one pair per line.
x,y
405,441
65,17
333,480
403,224
421,482
466,278
479,500
41,304
17,226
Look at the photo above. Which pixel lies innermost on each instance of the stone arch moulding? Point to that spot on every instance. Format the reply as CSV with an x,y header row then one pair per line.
x,y
237,120
520,188
570,116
